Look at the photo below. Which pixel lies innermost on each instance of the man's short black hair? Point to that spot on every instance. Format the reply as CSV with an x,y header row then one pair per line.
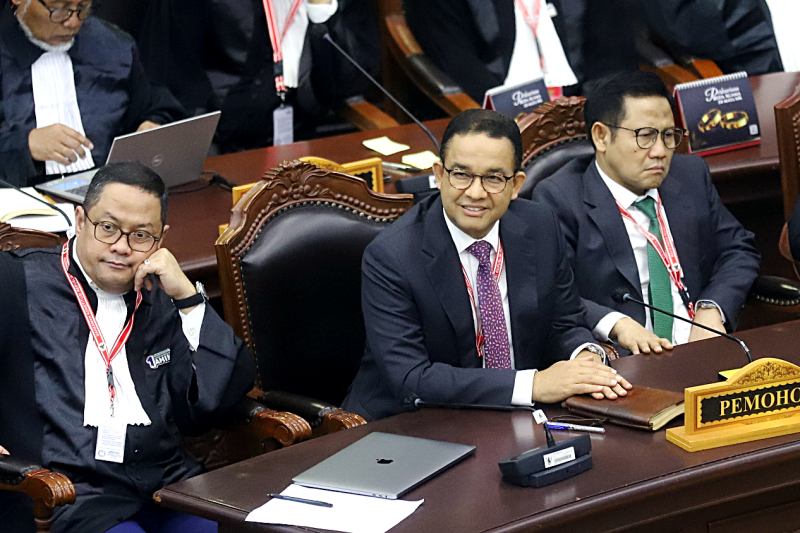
x,y
606,104
128,173
492,123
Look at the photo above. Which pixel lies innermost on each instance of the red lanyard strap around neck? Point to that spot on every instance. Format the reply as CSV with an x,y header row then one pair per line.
x,y
533,21
667,253
94,328
497,268
276,39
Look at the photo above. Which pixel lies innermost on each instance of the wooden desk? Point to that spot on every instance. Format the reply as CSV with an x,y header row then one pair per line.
x,y
750,173
639,483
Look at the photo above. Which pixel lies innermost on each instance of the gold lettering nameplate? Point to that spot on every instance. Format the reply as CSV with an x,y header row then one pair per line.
x,y
761,400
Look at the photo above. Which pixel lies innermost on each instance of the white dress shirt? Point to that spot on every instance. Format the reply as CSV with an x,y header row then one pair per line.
x,y
680,329
295,37
110,316
56,102
525,65
523,381
785,18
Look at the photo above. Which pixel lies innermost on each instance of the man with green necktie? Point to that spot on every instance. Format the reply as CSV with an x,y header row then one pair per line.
x,y
640,219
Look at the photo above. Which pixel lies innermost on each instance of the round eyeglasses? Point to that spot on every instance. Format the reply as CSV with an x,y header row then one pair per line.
x,y
138,240
61,14
647,137
491,183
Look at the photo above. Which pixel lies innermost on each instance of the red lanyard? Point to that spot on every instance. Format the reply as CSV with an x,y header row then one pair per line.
x,y
94,328
277,42
497,268
668,253
533,22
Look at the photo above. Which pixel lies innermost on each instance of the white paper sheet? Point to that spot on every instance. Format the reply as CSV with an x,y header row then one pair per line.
x,y
350,513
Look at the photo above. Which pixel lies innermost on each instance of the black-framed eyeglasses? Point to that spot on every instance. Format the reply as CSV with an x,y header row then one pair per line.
x,y
62,14
646,137
491,183
138,240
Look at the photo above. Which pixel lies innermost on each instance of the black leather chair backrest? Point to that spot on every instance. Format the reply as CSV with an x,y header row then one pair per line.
x,y
546,163
302,282
290,274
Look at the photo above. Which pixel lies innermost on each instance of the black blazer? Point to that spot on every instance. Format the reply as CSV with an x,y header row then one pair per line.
x,y
717,254
420,331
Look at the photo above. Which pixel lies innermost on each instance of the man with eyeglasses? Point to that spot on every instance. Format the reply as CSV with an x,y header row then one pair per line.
x,y
639,218
468,298
109,351
69,84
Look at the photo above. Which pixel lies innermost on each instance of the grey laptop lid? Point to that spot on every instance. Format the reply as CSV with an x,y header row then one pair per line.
x,y
177,151
384,465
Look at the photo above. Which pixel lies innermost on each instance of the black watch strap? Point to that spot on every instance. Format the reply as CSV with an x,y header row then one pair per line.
x,y
193,300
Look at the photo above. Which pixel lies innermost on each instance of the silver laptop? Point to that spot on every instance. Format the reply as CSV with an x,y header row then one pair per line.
x,y
176,151
384,465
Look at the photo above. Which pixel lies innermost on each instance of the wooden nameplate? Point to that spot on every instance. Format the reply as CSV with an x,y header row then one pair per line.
x,y
759,401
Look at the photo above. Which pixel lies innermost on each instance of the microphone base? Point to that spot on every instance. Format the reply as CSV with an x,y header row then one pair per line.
x,y
545,465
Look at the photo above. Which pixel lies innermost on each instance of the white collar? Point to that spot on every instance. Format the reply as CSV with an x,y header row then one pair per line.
x,y
464,241
625,197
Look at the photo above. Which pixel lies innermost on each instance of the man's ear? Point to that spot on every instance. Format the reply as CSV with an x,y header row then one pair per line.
x,y
163,235
438,171
601,135
517,181
80,219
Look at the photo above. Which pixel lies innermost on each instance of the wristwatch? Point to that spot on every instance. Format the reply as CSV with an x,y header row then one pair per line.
x,y
597,350
193,300
706,304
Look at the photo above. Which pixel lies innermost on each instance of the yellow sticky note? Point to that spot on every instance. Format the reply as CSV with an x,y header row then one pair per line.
x,y
384,145
422,160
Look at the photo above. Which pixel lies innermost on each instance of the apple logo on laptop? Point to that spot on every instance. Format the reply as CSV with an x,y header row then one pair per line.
x,y
385,461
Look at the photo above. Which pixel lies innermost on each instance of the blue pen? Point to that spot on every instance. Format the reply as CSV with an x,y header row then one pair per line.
x,y
574,427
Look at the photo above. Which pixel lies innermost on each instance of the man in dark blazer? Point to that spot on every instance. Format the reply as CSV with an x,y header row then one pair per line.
x,y
417,275
629,119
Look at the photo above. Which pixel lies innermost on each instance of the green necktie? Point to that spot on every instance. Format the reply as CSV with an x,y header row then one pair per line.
x,y
660,284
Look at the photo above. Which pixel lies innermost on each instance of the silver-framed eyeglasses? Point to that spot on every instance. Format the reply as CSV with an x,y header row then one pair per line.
x,y
62,14
108,233
491,183
646,137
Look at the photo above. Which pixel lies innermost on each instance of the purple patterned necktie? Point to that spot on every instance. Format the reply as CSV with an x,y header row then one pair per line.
x,y
495,344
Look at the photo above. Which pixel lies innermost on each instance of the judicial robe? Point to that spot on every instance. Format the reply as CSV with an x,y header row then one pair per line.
x,y
43,339
114,95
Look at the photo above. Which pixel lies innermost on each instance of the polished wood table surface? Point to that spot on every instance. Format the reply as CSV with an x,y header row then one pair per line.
x,y
639,482
750,173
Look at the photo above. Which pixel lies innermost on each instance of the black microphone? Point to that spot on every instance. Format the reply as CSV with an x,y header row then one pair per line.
x,y
328,38
621,295
414,402
51,206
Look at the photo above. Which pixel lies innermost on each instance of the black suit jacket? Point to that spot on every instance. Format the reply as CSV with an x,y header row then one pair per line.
x,y
420,331
717,254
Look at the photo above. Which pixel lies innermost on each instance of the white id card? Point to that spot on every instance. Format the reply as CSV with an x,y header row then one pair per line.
x,y
110,442
283,125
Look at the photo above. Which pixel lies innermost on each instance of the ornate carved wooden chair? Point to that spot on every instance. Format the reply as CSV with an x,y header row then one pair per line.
x,y
290,273
552,135
248,430
402,52
787,126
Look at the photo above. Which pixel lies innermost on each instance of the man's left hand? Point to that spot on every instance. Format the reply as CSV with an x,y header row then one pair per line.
x,y
708,317
170,276
147,125
612,393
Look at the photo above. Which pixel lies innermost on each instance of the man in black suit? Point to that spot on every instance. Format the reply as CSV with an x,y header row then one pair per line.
x,y
474,255
636,186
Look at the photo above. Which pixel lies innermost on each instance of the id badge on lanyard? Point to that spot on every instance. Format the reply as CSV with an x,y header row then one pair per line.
x,y
283,116
667,253
497,268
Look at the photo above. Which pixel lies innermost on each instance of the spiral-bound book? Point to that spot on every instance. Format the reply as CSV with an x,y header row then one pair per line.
x,y
720,113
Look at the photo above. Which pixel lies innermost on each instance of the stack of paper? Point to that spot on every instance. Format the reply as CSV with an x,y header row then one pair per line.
x,y
22,211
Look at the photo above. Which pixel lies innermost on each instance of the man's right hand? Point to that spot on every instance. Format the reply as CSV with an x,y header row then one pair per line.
x,y
3,451
636,338
58,143
581,375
